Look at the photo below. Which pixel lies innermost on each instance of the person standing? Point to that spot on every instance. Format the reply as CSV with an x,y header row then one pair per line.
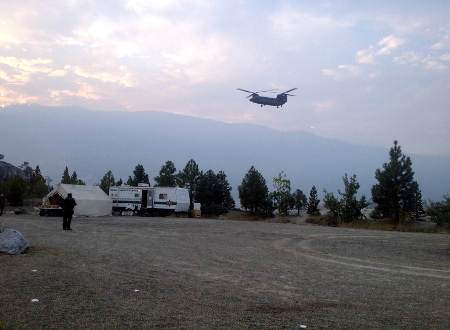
x,y
68,205
2,203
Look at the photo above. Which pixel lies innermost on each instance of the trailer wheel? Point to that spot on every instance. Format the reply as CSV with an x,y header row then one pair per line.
x,y
177,214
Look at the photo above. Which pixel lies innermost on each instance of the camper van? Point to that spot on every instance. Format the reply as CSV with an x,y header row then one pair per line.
x,y
149,201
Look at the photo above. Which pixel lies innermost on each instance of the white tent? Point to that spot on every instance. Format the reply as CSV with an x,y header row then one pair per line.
x,y
91,200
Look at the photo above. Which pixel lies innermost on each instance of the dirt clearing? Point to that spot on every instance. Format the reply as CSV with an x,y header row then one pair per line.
x,y
132,272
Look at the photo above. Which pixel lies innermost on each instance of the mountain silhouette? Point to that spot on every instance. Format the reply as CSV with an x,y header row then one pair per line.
x,y
93,142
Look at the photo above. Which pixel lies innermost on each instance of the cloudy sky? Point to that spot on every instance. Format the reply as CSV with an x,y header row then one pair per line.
x,y
367,72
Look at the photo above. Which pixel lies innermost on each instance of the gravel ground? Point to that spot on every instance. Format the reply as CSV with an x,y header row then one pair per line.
x,y
132,272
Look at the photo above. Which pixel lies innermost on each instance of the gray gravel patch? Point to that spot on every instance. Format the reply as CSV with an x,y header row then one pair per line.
x,y
132,272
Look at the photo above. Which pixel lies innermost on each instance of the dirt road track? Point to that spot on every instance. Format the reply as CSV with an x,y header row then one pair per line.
x,y
199,273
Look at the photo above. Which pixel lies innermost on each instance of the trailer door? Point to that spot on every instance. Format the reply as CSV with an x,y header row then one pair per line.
x,y
144,198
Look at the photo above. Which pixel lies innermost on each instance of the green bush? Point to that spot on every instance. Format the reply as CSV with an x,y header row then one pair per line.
x,y
15,189
439,212
213,210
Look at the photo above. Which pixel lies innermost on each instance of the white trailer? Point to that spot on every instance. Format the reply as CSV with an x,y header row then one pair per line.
x,y
150,201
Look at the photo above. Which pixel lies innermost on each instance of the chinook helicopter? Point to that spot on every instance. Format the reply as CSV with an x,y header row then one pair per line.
x,y
264,100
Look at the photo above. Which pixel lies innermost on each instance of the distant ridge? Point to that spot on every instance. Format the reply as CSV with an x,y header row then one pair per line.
x,y
93,142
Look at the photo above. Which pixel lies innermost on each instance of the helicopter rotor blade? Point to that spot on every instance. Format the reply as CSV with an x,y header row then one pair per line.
x,y
289,90
240,89
269,90
244,90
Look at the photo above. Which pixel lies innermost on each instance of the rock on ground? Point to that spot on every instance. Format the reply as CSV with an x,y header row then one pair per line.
x,y
13,242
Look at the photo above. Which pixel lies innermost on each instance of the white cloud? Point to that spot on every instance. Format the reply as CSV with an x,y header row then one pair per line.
x,y
7,38
433,64
56,94
58,73
188,58
9,96
409,57
323,106
88,91
142,6
389,43
443,43
291,22
343,72
25,65
106,74
16,79
21,70
384,47
366,56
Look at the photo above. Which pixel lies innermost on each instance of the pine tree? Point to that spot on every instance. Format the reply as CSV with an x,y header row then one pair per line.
x,y
167,177
214,189
313,202
189,178
139,176
38,185
300,200
15,190
348,208
418,210
396,187
66,177
206,188
74,179
253,191
282,194
107,181
224,191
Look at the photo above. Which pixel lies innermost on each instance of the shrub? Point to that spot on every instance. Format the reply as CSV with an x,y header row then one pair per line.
x,y
322,220
439,212
214,210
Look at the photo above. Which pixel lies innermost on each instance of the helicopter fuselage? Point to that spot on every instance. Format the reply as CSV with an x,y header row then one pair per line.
x,y
264,100
272,101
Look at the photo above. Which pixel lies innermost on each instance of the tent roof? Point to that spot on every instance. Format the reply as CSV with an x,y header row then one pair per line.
x,y
91,200
79,192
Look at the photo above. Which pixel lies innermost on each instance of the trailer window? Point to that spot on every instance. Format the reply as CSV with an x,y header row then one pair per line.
x,y
162,196
137,195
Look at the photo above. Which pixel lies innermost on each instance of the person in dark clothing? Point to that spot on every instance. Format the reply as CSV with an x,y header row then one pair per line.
x,y
2,203
68,204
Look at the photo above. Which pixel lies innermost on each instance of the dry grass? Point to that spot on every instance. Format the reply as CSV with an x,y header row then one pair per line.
x,y
389,225
280,220
384,224
298,308
37,249
321,220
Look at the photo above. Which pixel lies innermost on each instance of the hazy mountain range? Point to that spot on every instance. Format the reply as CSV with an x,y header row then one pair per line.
x,y
93,142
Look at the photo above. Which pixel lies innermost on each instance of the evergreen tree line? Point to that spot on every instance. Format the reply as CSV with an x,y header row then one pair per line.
x,y
256,198
397,195
71,179
210,189
16,188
